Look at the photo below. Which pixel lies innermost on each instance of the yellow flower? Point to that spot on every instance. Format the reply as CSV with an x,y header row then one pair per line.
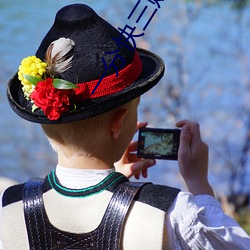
x,y
31,66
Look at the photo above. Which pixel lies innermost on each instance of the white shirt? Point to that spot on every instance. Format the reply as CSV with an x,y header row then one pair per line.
x,y
192,222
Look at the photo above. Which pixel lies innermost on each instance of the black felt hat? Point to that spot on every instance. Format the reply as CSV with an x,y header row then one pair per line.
x,y
100,52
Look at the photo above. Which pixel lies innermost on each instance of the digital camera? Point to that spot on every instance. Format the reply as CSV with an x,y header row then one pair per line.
x,y
155,143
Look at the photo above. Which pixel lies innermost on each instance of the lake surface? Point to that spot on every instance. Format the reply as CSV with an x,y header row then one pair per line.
x,y
207,58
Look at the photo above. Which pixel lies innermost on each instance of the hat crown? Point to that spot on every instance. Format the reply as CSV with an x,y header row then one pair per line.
x,y
75,13
93,37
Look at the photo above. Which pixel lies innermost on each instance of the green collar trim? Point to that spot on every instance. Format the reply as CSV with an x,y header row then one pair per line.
x,y
105,184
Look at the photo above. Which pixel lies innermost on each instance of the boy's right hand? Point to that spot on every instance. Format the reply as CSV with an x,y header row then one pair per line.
x,y
193,158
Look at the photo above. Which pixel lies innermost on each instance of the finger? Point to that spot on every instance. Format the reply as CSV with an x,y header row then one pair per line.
x,y
144,173
137,176
185,139
196,135
141,125
183,122
132,146
133,158
143,164
194,126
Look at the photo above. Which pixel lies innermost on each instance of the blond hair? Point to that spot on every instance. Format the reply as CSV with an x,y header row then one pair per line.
x,y
81,136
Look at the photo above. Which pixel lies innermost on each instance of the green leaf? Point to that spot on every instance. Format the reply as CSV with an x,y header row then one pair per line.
x,y
34,108
63,84
74,108
32,79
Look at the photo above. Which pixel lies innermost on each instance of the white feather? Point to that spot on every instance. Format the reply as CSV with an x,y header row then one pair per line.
x,y
62,46
56,55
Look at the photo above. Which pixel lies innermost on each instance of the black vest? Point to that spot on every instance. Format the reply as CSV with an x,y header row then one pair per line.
x,y
44,236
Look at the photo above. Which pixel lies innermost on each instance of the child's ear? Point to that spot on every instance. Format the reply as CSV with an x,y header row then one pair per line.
x,y
117,122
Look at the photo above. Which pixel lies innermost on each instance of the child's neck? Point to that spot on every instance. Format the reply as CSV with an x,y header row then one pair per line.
x,y
84,162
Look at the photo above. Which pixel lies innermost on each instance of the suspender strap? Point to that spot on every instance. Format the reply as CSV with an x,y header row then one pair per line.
x,y
38,234
113,221
106,237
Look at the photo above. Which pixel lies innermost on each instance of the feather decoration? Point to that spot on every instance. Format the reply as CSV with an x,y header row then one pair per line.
x,y
59,56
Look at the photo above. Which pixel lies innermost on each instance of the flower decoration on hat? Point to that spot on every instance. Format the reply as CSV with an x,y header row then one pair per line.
x,y
40,82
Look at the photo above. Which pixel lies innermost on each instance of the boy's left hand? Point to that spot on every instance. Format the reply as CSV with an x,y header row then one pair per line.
x,y
130,165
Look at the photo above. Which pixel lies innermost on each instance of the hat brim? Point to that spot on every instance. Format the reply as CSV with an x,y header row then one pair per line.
x,y
152,72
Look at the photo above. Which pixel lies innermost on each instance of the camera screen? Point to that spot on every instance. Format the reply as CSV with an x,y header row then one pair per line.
x,y
158,143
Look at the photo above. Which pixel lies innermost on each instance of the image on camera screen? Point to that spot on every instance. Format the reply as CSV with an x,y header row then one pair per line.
x,y
158,143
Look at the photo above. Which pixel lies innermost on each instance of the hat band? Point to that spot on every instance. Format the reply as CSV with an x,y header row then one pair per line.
x,y
110,84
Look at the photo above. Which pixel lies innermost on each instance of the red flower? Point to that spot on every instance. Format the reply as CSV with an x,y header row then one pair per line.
x,y
52,101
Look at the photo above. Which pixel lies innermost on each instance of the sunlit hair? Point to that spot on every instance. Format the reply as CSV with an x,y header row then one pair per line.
x,y
80,136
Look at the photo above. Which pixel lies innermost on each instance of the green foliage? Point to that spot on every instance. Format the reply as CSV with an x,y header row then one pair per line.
x,y
63,84
32,79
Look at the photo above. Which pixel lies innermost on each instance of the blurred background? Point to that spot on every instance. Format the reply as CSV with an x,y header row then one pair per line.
x,y
205,46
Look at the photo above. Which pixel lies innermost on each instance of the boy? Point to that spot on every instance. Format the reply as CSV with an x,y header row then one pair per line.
x,y
84,203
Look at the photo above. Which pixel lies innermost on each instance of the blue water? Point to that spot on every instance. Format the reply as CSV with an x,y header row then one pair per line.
x,y
207,79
